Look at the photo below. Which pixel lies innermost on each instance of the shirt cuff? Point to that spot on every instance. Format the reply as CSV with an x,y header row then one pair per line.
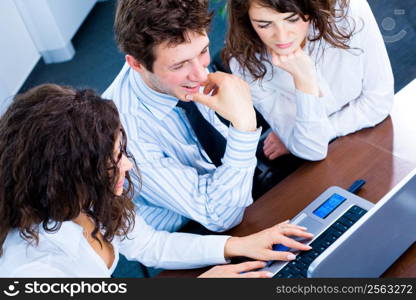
x,y
241,148
309,108
213,246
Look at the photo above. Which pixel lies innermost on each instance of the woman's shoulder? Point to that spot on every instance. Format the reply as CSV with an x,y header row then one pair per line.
x,y
21,262
22,258
358,9
240,71
354,21
356,5
236,68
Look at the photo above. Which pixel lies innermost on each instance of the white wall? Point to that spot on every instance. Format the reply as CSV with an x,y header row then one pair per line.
x,y
70,14
30,29
18,53
53,23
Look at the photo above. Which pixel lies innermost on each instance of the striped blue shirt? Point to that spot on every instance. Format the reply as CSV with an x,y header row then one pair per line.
x,y
179,181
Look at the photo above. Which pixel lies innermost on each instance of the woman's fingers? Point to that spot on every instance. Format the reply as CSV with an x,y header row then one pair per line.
x,y
273,155
260,274
268,150
209,88
286,224
278,255
246,269
291,243
248,266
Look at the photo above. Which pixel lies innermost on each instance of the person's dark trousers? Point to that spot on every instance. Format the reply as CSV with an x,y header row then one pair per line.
x,y
270,172
196,228
263,181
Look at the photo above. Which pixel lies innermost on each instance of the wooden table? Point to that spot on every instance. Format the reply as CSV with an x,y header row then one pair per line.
x,y
382,155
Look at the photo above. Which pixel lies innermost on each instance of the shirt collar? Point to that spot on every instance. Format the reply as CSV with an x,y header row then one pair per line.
x,y
67,238
157,103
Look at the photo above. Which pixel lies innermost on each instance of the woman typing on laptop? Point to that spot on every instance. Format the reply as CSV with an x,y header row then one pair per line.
x,y
66,199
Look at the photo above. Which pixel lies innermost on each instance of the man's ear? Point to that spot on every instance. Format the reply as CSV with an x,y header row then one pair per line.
x,y
135,64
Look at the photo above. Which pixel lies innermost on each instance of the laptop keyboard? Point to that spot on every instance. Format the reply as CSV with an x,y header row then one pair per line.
x,y
298,268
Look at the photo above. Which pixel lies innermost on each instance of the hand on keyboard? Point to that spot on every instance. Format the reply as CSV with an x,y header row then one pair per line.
x,y
260,245
298,268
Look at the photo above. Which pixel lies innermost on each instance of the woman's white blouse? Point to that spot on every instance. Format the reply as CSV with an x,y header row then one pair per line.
x,y
357,87
66,253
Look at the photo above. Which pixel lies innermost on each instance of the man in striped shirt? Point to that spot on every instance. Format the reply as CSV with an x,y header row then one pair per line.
x,y
166,47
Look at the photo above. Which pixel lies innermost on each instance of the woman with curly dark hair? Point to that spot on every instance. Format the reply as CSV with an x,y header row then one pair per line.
x,y
65,198
318,69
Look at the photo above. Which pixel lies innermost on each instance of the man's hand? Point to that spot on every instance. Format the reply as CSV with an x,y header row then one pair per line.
x,y
238,271
273,147
259,245
230,98
300,66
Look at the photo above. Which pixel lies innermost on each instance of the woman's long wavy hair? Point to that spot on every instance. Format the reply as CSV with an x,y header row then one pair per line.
x,y
246,47
57,160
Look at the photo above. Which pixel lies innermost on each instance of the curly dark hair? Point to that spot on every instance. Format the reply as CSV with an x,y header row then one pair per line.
x,y
246,47
57,160
141,25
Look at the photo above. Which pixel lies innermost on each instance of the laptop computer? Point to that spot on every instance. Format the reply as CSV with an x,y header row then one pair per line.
x,y
353,237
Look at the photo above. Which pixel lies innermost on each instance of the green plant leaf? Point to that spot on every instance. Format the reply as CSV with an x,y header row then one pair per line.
x,y
222,10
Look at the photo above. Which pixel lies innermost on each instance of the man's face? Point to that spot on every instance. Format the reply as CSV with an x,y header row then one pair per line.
x,y
181,69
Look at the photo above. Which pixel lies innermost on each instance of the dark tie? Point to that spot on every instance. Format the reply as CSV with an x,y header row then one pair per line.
x,y
210,139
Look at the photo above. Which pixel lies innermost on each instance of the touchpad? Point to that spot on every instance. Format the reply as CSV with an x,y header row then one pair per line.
x,y
313,226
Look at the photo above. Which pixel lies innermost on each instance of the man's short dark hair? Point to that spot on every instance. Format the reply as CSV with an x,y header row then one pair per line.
x,y
140,25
